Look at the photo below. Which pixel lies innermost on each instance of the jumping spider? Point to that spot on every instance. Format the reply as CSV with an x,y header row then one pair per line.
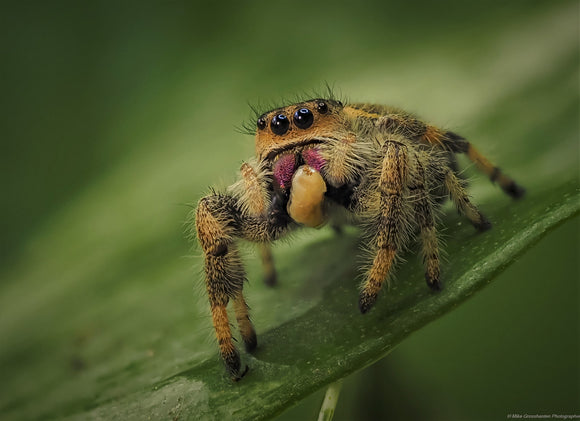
x,y
387,168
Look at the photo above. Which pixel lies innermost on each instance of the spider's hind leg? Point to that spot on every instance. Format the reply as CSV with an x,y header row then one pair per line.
x,y
458,144
408,125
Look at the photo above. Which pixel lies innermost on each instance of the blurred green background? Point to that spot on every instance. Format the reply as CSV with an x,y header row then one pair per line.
x,y
115,115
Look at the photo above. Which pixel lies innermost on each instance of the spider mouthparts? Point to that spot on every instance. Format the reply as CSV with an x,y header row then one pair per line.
x,y
305,205
286,164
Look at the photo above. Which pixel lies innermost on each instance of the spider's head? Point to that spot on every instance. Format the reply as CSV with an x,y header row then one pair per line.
x,y
296,126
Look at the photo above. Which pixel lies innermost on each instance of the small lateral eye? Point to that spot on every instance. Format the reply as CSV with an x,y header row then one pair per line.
x,y
303,118
322,107
280,124
261,123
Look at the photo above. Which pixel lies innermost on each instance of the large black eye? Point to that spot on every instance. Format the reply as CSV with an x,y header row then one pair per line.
x,y
303,118
322,107
261,123
280,124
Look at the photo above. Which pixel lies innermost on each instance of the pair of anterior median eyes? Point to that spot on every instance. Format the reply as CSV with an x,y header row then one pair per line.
x,y
303,119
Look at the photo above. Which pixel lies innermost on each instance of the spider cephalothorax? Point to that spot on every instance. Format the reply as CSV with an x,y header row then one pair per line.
x,y
387,169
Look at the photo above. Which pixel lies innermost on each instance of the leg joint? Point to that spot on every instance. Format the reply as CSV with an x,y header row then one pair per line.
x,y
390,143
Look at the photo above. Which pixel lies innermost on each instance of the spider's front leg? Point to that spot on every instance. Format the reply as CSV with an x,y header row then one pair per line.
x,y
252,193
220,219
224,272
390,222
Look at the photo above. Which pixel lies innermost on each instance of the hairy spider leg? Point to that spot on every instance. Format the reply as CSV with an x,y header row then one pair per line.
x,y
423,208
253,196
219,221
460,198
458,144
390,221
244,323
270,276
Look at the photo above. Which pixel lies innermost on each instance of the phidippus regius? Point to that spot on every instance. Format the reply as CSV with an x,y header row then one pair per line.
x,y
384,167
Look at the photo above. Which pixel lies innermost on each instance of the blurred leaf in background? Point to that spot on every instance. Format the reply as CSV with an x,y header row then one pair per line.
x,y
116,115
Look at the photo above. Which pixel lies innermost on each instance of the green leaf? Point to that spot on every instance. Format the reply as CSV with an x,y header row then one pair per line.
x,y
332,339
98,317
